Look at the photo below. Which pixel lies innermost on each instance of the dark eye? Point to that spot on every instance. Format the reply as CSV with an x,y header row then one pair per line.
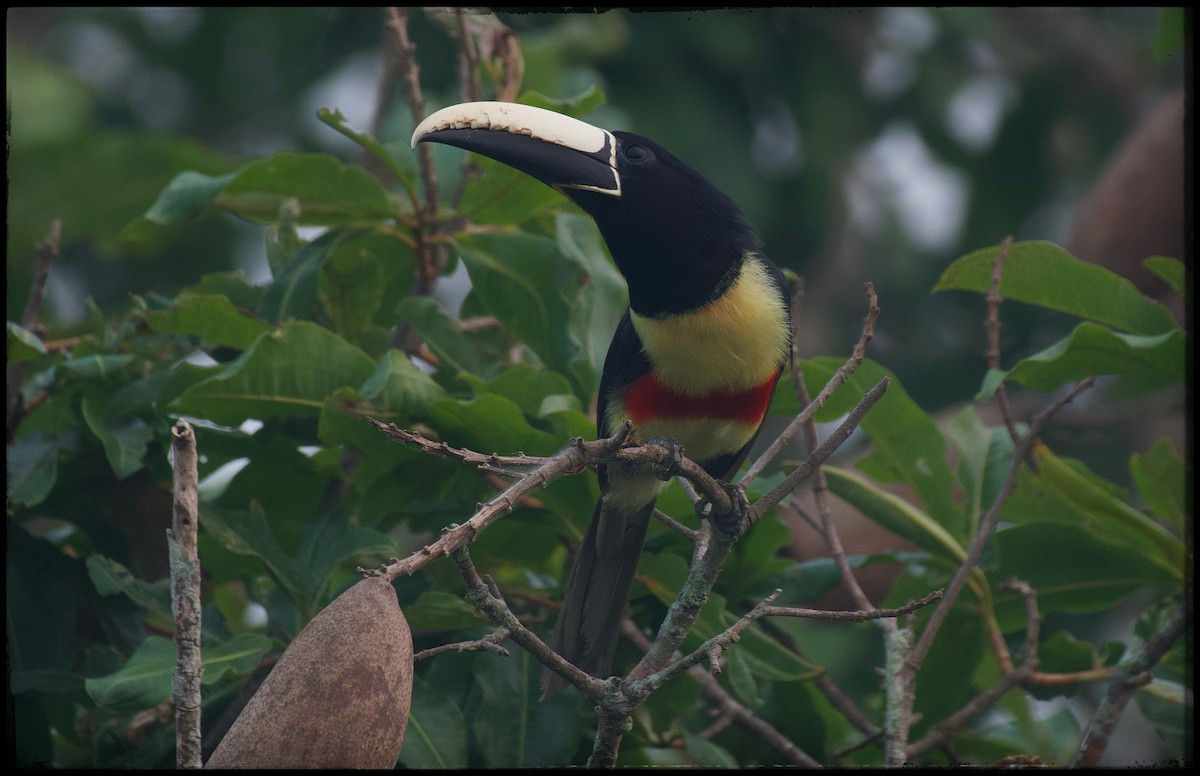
x,y
635,153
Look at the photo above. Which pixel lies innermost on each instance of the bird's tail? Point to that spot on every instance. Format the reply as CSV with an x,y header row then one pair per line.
x,y
587,630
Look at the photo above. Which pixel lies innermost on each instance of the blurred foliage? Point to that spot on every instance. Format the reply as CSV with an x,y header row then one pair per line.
x,y
232,256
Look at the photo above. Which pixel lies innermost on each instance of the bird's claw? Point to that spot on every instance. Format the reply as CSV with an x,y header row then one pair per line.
x,y
665,470
729,520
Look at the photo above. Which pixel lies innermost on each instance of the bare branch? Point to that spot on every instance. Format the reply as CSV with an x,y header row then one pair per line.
x,y
1132,672
185,596
839,377
489,643
992,326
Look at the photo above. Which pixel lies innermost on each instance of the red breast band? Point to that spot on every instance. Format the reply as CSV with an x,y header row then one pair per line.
x,y
649,399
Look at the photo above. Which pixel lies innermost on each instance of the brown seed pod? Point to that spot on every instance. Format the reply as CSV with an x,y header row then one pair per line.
x,y
339,696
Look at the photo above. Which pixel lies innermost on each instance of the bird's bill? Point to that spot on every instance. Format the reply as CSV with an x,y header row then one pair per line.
x,y
558,150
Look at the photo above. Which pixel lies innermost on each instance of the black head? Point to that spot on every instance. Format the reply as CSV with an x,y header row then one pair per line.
x,y
676,238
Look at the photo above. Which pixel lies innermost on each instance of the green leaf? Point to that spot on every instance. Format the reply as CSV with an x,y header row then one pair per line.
x,y
142,682
517,277
984,454
397,388
442,334
238,656
124,438
23,345
1043,274
328,191
145,679
1168,706
491,424
351,285
249,533
905,520
1161,478
1070,568
907,447
32,468
185,197
1147,362
597,309
1065,492
293,292
97,367
437,730
210,317
514,729
1173,271
286,372
439,610
111,578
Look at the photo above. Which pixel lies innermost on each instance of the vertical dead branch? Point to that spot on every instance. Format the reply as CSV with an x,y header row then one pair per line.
x,y
185,596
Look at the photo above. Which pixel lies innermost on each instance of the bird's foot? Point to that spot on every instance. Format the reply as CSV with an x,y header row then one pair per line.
x,y
726,520
665,470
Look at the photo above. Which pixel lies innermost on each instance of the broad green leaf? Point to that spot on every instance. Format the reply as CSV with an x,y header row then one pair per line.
x,y
238,656
142,682
286,372
145,679
907,447
905,520
397,388
230,284
327,191
982,451
514,729
1168,706
1064,492
249,533
503,195
517,277
1161,478
350,287
1146,362
210,317
23,345
491,424
124,438
437,730
293,292
185,197
576,107
597,308
1071,569
1043,274
97,367
708,754
440,610
32,468
111,578
442,334
1173,271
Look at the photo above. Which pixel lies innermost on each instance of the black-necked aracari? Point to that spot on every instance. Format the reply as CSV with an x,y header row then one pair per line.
x,y
696,356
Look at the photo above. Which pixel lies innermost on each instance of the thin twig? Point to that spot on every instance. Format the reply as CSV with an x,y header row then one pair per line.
x,y
489,643
839,377
992,327
730,707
